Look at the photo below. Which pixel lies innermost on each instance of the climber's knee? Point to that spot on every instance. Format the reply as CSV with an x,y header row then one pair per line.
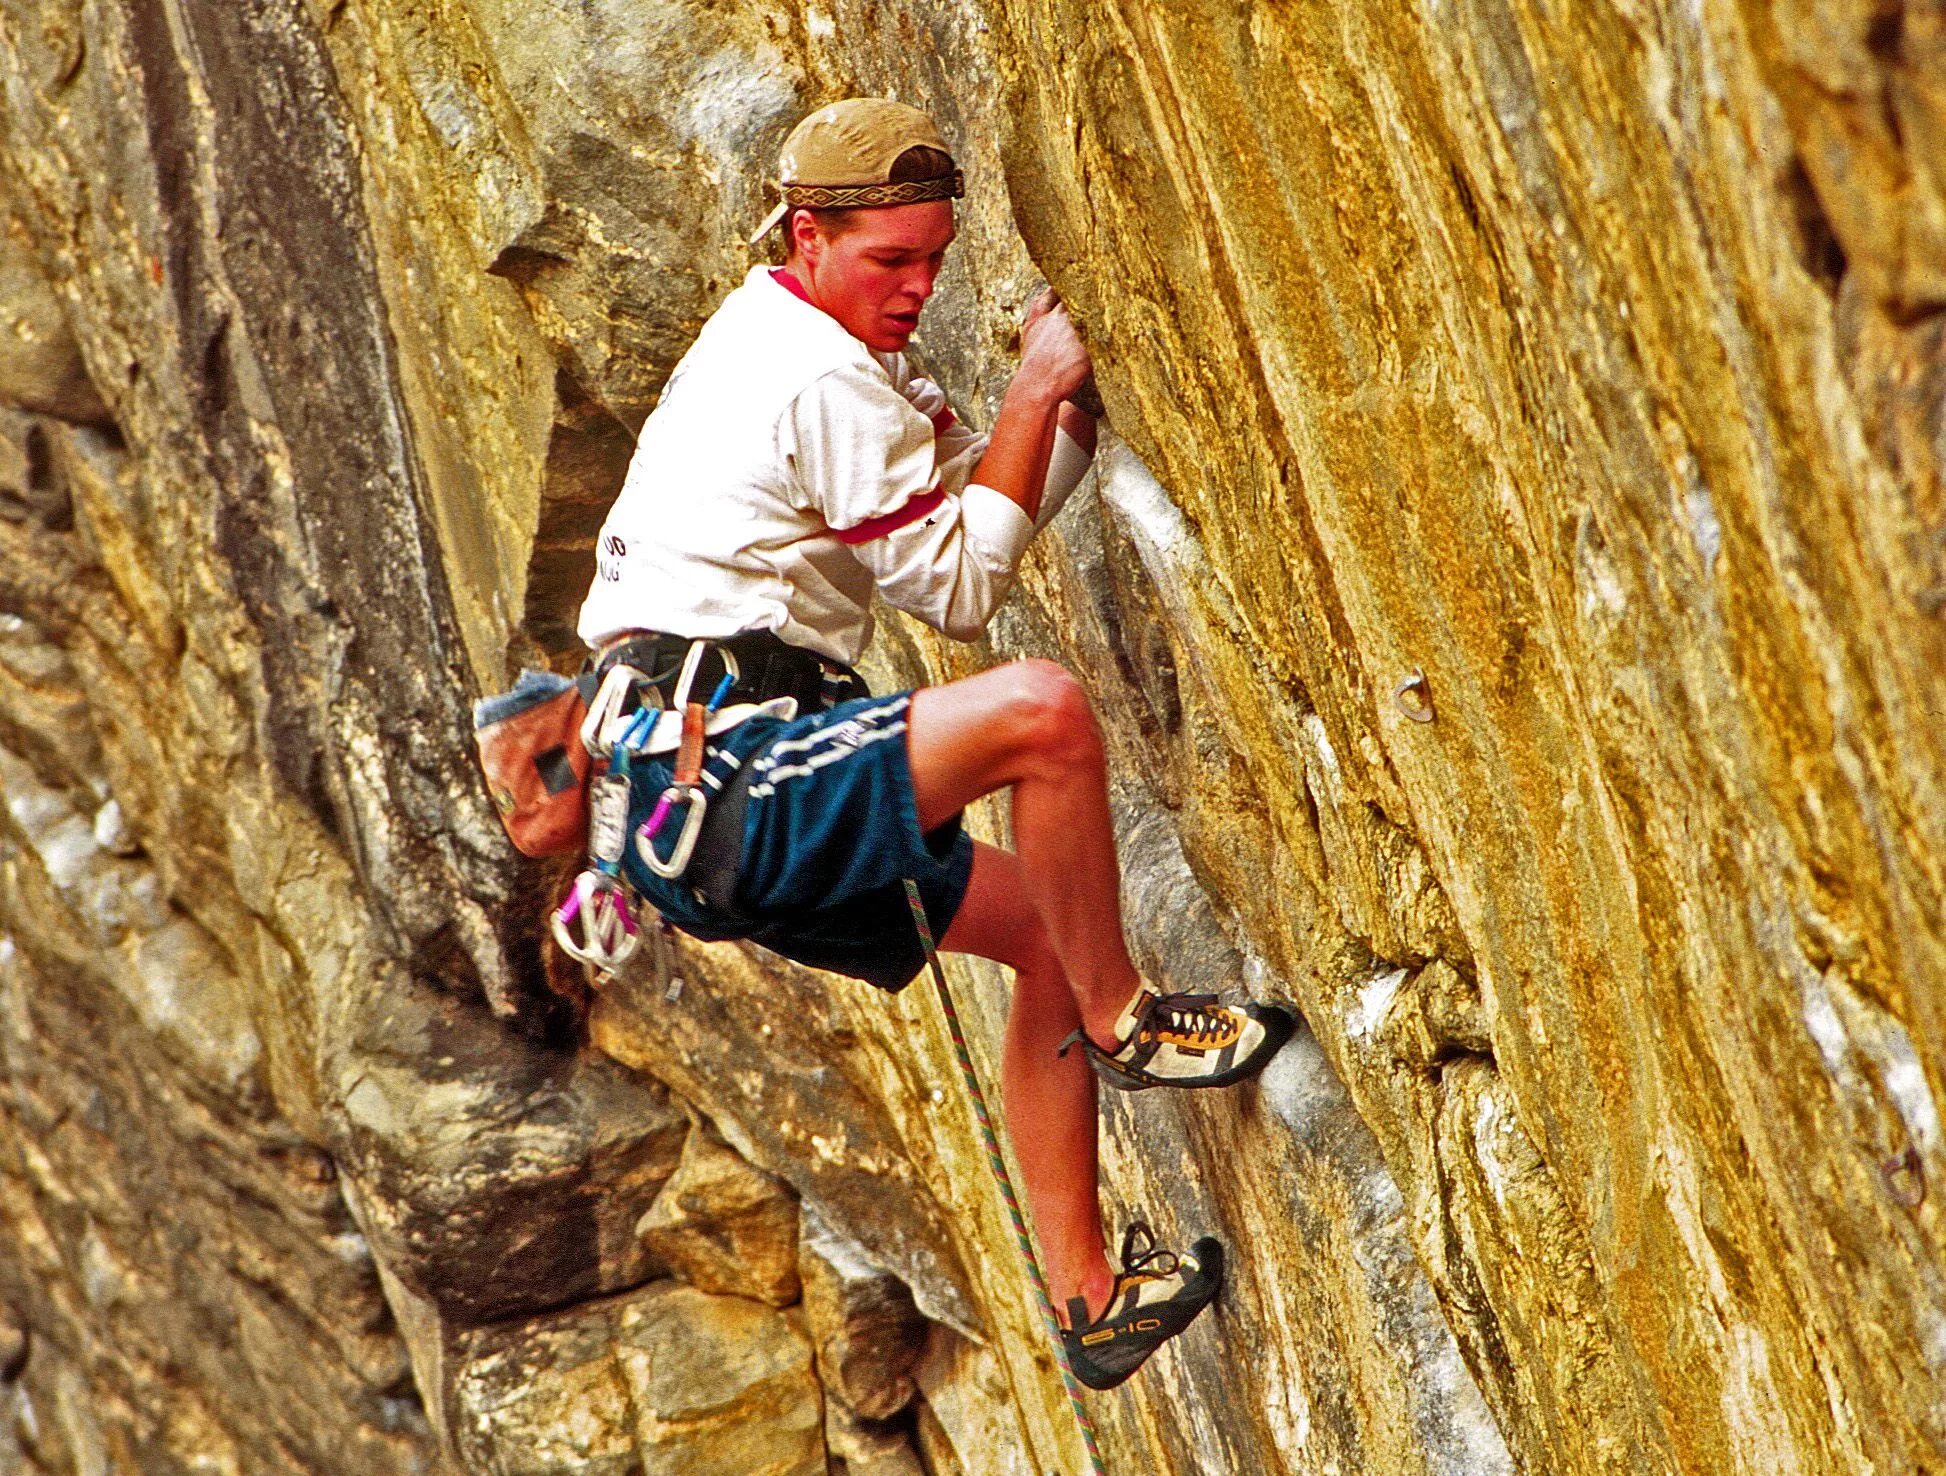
x,y
1040,722
1054,724
1025,720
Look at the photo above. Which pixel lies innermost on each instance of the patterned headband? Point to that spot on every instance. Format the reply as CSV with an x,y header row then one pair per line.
x,y
904,192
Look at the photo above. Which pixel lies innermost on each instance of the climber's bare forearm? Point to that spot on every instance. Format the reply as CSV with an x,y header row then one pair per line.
x,y
1015,463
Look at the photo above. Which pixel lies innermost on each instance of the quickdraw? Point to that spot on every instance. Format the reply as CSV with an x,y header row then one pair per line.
x,y
609,932
599,899
686,782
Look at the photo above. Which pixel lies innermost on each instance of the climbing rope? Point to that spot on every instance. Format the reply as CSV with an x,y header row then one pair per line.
x,y
1002,1178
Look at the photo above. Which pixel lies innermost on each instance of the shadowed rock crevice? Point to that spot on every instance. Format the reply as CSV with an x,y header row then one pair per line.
x,y
587,458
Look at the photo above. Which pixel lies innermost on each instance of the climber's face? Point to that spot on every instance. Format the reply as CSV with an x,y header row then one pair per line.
x,y
876,270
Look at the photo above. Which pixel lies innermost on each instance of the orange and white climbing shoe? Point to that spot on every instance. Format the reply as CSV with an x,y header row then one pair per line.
x,y
1186,1040
1156,1296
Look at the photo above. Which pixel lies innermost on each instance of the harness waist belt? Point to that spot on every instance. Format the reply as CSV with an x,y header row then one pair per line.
x,y
766,667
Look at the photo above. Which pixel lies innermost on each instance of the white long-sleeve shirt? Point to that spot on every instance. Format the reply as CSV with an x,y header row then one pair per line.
x,y
786,471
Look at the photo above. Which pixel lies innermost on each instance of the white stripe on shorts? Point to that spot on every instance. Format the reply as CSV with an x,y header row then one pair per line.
x,y
823,735
819,760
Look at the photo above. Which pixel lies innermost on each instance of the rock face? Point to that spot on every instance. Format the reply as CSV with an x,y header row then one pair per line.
x,y
1514,591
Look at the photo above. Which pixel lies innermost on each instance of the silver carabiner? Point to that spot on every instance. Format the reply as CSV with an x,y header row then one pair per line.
x,y
691,796
606,710
686,682
608,935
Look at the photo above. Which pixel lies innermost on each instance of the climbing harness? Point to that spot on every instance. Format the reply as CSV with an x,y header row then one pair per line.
x,y
601,919
767,667
1001,1177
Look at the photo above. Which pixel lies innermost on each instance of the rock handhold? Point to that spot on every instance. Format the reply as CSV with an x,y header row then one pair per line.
x,y
655,1382
720,1386
869,1447
549,1388
13,1348
40,362
494,1177
724,1226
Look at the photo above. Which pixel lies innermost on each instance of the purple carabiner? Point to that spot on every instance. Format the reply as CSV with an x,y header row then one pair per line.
x,y
648,828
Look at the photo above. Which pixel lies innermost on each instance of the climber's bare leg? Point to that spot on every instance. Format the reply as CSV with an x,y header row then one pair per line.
x,y
1028,725
1049,1099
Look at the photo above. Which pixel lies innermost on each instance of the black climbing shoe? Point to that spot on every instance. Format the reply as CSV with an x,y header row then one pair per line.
x,y
1186,1040
1157,1295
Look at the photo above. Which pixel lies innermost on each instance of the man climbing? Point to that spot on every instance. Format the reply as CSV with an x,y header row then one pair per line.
x,y
794,463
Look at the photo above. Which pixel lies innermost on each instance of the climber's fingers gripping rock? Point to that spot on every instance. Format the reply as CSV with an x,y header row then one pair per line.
x,y
1052,346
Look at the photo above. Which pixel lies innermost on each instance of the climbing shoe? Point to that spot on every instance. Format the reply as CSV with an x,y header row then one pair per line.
x,y
1156,1296
1186,1040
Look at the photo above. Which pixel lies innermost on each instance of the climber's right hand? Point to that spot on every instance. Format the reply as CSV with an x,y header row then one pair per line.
x,y
1052,351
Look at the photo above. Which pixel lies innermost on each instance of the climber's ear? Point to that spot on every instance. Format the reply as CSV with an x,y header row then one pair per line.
x,y
806,235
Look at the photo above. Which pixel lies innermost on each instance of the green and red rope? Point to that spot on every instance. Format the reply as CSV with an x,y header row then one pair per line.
x,y
1000,1175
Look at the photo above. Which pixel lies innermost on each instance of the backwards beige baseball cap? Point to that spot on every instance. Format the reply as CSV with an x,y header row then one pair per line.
x,y
841,158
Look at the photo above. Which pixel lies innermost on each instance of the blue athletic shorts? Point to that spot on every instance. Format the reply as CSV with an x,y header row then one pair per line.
x,y
830,832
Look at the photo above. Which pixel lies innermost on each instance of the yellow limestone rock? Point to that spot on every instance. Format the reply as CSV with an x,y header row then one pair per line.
x,y
720,1386
723,1226
670,1381
41,368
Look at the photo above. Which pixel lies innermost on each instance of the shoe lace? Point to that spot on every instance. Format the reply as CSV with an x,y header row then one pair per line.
x,y
1194,1016
1141,1256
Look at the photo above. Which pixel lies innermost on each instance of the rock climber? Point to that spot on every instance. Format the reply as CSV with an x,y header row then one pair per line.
x,y
794,463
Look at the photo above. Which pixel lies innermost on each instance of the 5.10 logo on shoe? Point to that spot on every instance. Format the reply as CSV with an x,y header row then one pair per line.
x,y
1109,1334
